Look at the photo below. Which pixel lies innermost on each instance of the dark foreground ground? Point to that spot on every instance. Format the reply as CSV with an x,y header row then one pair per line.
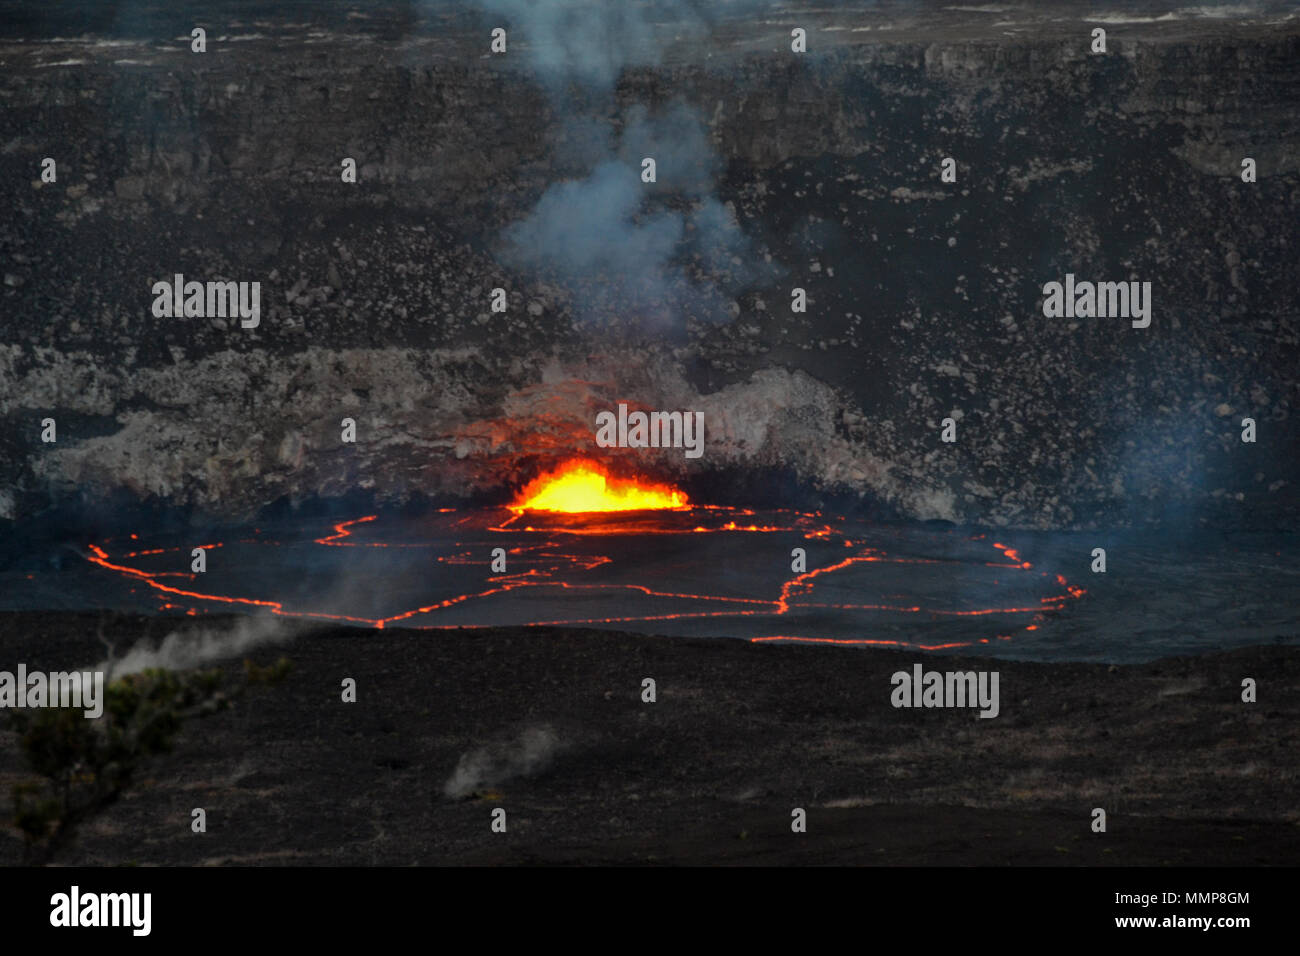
x,y
550,726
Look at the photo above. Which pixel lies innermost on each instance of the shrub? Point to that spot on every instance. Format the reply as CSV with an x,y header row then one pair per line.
x,y
85,765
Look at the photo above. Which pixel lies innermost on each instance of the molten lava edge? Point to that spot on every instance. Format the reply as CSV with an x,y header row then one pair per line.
x,y
583,487
705,567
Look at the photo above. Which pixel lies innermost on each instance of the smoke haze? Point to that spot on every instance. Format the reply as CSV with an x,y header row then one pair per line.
x,y
531,752
180,651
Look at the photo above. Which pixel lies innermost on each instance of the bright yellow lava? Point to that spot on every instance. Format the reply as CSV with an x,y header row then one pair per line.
x,y
582,487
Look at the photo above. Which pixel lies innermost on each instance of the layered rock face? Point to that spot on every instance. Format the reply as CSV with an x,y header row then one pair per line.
x,y
817,171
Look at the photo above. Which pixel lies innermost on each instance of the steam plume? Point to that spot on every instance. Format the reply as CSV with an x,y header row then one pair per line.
x,y
180,650
531,752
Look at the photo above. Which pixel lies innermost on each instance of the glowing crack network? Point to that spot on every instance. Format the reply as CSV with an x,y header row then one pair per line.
x,y
689,570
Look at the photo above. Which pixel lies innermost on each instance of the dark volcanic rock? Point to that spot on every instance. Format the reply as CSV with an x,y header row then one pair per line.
x,y
924,297
550,725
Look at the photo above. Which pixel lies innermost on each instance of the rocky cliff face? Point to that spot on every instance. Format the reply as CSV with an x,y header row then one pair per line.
x,y
924,297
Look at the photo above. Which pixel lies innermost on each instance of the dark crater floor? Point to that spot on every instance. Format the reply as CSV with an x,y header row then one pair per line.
x,y
549,724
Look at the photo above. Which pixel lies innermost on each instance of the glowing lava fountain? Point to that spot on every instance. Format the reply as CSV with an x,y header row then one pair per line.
x,y
581,486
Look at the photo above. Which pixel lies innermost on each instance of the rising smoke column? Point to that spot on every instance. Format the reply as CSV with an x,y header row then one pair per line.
x,y
655,253
591,43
